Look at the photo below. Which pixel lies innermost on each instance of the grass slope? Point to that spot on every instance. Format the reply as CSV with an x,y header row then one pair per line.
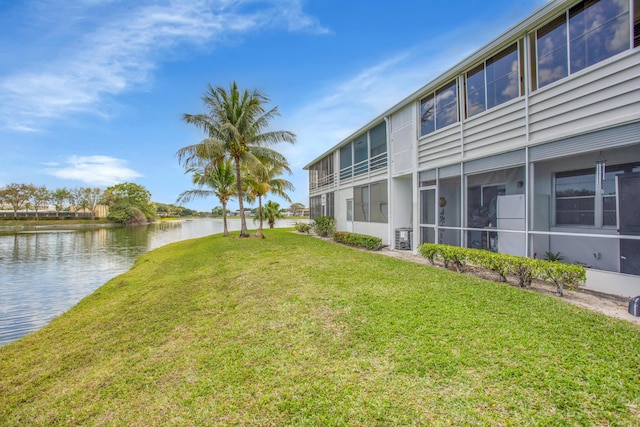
x,y
293,330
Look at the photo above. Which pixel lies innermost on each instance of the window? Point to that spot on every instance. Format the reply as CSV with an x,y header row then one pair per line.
x,y
315,207
370,202
586,34
367,152
346,161
439,109
360,155
321,173
361,200
476,93
575,197
378,139
493,82
597,30
503,77
588,197
636,23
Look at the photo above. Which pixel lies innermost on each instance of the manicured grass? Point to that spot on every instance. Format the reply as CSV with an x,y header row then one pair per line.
x,y
294,330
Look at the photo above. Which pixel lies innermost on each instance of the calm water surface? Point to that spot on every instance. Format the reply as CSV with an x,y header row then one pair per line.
x,y
44,272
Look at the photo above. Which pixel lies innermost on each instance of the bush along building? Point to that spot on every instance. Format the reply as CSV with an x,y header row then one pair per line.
x,y
530,146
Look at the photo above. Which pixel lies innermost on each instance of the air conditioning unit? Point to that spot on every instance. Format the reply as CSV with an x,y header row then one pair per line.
x,y
404,237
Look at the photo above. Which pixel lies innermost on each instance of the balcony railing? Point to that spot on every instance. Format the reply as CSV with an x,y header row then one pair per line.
x,y
369,165
326,181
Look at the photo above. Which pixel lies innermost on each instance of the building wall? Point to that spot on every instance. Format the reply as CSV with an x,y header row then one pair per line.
x,y
595,109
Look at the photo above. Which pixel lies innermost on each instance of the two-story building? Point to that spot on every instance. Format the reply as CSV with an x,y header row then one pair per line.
x,y
528,146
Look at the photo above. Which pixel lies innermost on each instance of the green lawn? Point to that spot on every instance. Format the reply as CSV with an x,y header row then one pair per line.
x,y
294,330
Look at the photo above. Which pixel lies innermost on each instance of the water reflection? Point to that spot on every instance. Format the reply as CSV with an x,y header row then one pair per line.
x,y
44,272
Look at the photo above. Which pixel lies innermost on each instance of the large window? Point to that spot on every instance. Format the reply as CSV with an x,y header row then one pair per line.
x,y
346,161
321,173
439,109
586,34
315,207
378,146
493,82
366,153
322,205
371,203
588,197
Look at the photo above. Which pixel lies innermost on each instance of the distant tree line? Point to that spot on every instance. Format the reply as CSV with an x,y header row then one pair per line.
x,y
127,203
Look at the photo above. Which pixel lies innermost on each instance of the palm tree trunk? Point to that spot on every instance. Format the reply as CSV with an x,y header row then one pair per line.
x,y
224,219
243,220
259,233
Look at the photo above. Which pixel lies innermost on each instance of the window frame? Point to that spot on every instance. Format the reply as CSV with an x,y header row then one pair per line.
x,y
363,202
433,97
564,18
600,197
515,47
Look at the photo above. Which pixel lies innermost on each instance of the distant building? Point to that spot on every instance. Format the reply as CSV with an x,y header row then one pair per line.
x,y
529,145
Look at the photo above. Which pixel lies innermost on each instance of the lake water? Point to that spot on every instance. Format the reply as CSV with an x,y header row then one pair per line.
x,y
44,272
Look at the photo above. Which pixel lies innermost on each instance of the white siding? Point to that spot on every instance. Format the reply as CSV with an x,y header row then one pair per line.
x,y
500,129
440,148
403,136
603,95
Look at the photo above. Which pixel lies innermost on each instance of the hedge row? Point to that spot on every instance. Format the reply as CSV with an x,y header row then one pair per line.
x,y
524,269
359,240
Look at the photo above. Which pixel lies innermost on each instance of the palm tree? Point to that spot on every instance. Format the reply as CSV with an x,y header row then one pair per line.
x,y
221,180
265,181
272,212
236,124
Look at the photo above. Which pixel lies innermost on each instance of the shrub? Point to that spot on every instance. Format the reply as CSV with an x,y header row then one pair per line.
x,y
302,227
429,251
324,225
492,261
524,269
359,240
127,215
563,275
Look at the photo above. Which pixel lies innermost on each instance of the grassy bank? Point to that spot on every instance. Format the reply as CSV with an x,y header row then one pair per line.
x,y
293,330
7,222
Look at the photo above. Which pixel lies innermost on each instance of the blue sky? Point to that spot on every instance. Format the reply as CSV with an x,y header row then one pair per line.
x,y
92,91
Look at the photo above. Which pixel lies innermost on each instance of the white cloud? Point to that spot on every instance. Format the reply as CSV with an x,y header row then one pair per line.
x,y
95,170
107,52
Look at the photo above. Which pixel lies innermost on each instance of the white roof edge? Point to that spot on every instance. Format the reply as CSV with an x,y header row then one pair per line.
x,y
516,31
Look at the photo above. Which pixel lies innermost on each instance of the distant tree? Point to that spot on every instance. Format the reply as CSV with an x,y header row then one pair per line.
x,y
75,195
272,212
83,202
296,208
90,199
128,203
16,195
217,211
60,199
38,196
